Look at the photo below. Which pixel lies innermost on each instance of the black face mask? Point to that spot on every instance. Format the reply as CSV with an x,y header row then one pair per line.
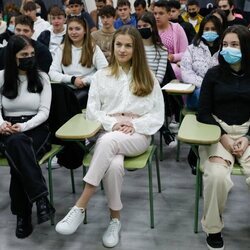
x,y
226,12
27,63
192,14
145,33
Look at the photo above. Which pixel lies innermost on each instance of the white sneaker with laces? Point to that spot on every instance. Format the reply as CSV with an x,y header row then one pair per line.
x,y
71,221
110,237
174,126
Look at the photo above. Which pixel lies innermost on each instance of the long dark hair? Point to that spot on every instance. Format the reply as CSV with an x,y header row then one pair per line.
x,y
210,18
244,37
11,77
148,17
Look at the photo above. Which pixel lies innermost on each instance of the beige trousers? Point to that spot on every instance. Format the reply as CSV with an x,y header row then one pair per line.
x,y
107,162
217,177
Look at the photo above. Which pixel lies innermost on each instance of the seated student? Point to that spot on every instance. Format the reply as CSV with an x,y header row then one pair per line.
x,y
24,26
130,108
172,35
76,9
125,18
175,17
225,101
4,38
103,37
39,24
25,104
227,6
201,56
77,59
183,4
140,9
156,55
95,14
192,15
54,35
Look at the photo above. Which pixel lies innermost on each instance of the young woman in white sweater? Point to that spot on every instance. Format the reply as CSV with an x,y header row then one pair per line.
x,y
126,98
77,59
25,99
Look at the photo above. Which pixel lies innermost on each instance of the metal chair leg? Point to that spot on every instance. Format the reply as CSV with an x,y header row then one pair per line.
x,y
151,201
157,170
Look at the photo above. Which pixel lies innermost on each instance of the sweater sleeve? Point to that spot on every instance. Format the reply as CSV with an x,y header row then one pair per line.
x,y
99,62
205,107
56,72
44,108
151,122
187,72
182,43
94,107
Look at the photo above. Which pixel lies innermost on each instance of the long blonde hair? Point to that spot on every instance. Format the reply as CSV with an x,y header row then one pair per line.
x,y
87,45
142,80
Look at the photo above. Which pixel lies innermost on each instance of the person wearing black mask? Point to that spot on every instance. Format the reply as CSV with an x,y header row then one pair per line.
x,y
24,134
192,16
228,6
156,55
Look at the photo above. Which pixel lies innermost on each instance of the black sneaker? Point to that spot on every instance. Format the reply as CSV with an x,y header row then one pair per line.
x,y
215,242
169,138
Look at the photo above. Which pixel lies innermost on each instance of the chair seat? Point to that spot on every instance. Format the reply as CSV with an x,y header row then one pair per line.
x,y
136,162
237,170
55,148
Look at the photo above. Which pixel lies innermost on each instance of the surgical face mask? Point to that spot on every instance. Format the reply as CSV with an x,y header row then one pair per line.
x,y
38,12
11,28
26,63
210,36
145,33
192,14
231,55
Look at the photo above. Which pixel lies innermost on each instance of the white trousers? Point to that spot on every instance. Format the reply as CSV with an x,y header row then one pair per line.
x,y
217,177
107,163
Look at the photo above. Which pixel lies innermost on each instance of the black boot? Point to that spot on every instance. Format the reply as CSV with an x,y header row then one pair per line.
x,y
23,227
44,210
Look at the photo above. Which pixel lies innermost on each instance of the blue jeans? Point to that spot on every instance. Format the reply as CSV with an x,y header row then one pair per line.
x,y
193,99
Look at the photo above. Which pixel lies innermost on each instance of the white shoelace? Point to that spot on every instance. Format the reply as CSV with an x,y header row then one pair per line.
x,y
70,216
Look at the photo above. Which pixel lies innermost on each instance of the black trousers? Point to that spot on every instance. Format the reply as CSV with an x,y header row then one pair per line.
x,y
82,96
27,183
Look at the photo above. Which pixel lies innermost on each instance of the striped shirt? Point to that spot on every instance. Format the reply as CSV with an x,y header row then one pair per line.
x,y
157,61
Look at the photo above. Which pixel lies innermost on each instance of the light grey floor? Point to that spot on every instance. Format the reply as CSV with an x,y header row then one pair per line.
x,y
173,213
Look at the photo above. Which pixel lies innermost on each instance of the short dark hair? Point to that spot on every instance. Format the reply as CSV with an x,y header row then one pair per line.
x,y
140,2
101,1
209,18
244,36
29,6
55,10
174,4
193,2
121,3
107,11
76,2
162,4
230,2
222,14
24,20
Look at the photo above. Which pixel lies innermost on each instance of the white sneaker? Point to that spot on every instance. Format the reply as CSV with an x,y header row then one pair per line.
x,y
54,163
110,237
173,144
71,221
174,126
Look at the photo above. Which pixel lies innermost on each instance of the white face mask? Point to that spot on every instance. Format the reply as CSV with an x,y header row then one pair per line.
x,y
183,7
38,11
